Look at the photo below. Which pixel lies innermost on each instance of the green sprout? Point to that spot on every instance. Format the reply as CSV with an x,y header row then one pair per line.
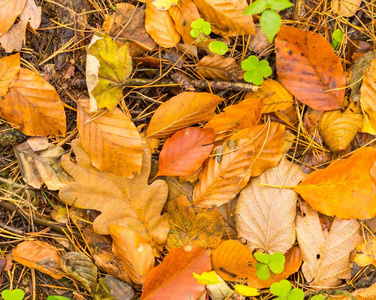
x,y
16,294
270,21
256,70
337,37
218,47
200,27
283,290
54,297
275,262
318,297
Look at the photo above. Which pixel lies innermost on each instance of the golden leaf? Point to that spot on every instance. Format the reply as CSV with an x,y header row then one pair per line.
x,y
368,92
9,70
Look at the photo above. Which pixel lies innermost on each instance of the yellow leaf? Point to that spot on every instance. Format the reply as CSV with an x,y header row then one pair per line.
x,y
207,278
246,290
164,4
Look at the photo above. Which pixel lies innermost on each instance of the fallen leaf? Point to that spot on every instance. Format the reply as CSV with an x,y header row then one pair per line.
x,y
160,26
227,16
259,41
344,188
366,252
203,227
115,67
182,111
133,251
357,72
232,260
219,291
15,38
178,187
368,293
185,152
34,106
111,140
111,288
173,278
346,8
368,92
9,70
9,11
164,4
307,66
80,267
124,202
265,216
326,253
92,69
217,67
38,143
40,256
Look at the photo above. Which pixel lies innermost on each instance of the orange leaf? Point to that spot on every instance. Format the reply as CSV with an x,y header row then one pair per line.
x,y
345,188
173,278
40,256
185,152
34,106
368,92
232,260
9,70
111,140
9,11
307,66
181,111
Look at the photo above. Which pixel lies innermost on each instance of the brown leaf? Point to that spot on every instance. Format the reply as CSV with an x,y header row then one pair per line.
x,y
178,187
326,253
368,92
34,106
111,288
160,26
174,275
40,256
9,70
265,216
203,227
227,16
181,111
185,152
357,72
346,8
217,67
344,189
9,11
307,66
111,140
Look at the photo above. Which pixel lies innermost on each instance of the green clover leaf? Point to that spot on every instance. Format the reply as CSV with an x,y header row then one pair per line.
x,y
262,271
296,294
318,297
218,47
277,262
16,294
337,38
200,26
281,288
255,71
54,297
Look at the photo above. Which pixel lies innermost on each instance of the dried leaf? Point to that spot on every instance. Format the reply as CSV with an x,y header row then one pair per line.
x,y
358,70
92,69
80,267
227,16
34,106
133,251
307,66
40,256
9,70
15,38
232,260
265,216
326,254
181,111
346,8
174,275
344,189
111,140
160,26
9,11
366,252
111,288
185,152
202,228
368,92
218,67
177,187
368,293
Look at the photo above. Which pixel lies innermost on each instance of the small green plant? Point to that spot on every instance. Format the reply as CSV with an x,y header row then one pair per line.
x,y
16,294
54,297
256,70
318,297
283,290
337,38
218,47
270,21
275,262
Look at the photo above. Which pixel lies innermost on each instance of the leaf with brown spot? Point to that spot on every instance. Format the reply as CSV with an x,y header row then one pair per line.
x,y
9,70
307,66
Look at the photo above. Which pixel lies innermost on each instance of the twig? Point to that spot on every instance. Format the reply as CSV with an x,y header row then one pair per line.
x,y
16,185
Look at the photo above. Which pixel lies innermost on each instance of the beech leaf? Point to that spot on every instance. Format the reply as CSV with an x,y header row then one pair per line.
x,y
9,70
9,11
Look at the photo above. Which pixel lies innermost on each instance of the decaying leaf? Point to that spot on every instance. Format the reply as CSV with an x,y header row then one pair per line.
x,y
133,251
185,152
42,166
124,202
174,275
368,92
358,70
80,267
181,111
9,11
15,38
202,228
111,288
343,189
178,187
307,66
9,70
265,216
40,256
368,293
111,140
326,252
346,8
217,67
227,16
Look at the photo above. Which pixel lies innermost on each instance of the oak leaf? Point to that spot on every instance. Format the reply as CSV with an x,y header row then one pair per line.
x,y
124,202
111,140
173,278
307,66
368,92
326,252
343,189
9,11
185,152
265,216
9,70
182,111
